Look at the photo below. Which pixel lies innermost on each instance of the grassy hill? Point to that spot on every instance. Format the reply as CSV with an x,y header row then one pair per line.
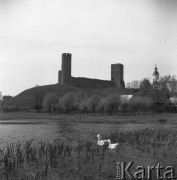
x,y
34,96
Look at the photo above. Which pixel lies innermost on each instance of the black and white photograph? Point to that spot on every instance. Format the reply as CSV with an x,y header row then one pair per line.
x,y
88,89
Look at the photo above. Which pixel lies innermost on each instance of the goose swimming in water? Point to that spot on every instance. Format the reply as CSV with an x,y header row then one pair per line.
x,y
101,142
112,146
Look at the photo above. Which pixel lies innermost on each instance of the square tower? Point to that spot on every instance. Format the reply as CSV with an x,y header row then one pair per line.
x,y
117,75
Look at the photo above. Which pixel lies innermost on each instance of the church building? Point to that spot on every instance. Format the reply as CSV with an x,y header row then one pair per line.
x,y
170,83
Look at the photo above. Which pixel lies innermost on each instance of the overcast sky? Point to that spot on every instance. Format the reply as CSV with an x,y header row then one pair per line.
x,y
34,34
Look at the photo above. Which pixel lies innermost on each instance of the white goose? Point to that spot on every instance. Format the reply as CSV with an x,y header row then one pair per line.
x,y
101,142
112,146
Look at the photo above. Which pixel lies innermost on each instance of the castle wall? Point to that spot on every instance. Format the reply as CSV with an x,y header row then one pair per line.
x,y
66,69
117,71
87,82
64,76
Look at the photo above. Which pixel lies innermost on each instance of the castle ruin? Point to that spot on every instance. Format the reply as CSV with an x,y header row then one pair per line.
x,y
65,73
64,76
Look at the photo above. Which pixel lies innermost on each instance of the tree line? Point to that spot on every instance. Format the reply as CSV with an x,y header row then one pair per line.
x,y
82,103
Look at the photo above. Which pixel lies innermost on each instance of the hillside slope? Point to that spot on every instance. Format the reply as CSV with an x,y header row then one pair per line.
x,y
32,97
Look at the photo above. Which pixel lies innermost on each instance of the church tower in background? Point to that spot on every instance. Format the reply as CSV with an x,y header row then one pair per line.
x,y
155,74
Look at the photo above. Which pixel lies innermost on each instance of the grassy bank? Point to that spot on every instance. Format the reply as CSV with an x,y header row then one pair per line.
x,y
57,160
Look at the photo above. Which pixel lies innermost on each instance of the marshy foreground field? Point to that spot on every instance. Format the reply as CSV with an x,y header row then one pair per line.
x,y
65,146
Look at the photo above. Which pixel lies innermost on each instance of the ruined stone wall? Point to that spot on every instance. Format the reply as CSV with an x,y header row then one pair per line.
x,y
91,83
64,76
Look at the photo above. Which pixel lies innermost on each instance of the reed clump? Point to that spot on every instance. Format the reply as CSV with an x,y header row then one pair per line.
x,y
85,160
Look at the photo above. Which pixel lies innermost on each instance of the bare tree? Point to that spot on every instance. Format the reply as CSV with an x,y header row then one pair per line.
x,y
50,99
67,102
163,81
83,106
79,98
102,105
0,96
141,104
159,97
145,86
38,98
172,83
112,103
133,84
92,103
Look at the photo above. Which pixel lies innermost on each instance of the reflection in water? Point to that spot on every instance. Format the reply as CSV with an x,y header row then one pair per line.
x,y
66,131
64,127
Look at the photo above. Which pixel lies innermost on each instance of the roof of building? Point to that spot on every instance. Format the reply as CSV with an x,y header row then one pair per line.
x,y
173,100
126,98
171,79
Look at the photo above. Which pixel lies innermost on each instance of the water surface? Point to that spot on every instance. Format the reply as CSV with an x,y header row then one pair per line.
x,y
40,129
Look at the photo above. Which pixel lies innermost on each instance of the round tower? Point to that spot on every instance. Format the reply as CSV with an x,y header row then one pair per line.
x,y
66,68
